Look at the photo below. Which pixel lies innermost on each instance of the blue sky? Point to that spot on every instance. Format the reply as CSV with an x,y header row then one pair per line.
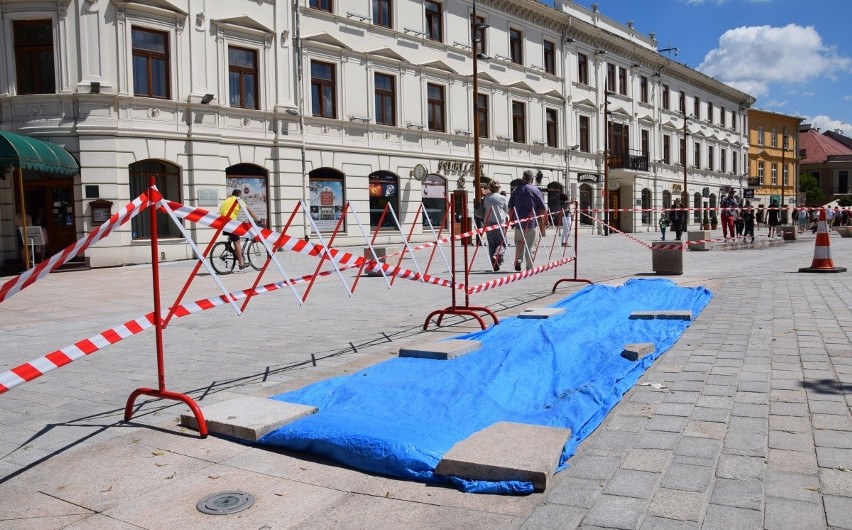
x,y
794,56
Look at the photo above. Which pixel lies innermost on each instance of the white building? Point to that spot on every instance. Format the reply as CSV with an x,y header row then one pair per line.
x,y
339,101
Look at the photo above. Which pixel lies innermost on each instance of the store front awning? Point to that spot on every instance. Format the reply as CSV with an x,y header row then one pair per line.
x,y
37,155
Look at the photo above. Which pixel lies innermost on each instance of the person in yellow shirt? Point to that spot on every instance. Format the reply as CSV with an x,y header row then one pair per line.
x,y
235,239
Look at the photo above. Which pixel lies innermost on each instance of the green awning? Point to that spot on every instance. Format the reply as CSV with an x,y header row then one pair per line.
x,y
28,153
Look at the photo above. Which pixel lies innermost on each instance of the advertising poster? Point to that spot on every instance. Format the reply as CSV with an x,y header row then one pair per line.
x,y
254,194
326,203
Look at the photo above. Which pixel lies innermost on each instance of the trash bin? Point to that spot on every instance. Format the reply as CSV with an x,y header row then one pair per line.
x,y
667,257
699,235
380,255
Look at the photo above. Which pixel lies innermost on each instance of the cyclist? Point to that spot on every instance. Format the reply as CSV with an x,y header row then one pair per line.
x,y
235,239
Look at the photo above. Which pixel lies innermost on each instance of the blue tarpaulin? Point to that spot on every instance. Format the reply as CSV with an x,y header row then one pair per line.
x,y
401,416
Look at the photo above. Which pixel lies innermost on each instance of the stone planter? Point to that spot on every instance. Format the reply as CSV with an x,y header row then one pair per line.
x,y
788,232
667,257
699,235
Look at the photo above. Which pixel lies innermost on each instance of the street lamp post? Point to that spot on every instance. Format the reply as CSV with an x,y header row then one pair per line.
x,y
783,174
475,29
684,194
606,163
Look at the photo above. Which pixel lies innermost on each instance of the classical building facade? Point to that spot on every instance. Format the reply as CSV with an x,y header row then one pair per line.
x,y
371,103
772,158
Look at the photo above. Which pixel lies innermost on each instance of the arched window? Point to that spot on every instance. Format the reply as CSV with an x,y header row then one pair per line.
x,y
667,199
384,190
252,181
328,194
434,201
167,179
585,204
646,206
696,203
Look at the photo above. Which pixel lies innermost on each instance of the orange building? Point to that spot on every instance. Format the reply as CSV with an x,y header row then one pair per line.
x,y
772,157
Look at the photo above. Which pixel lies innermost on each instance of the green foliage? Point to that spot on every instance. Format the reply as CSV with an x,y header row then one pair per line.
x,y
809,185
844,202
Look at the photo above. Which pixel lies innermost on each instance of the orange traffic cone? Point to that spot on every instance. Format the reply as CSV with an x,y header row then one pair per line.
x,y
822,251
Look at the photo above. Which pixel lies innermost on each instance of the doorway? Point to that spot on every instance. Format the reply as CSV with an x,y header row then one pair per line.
x,y
50,204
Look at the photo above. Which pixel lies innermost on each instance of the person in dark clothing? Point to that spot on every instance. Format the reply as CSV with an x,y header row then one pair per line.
x,y
676,217
772,218
747,214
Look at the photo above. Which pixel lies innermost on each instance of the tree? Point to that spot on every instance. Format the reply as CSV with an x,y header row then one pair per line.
x,y
844,202
809,185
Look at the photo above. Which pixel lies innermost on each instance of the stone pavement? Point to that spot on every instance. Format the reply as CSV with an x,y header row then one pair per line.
x,y
744,423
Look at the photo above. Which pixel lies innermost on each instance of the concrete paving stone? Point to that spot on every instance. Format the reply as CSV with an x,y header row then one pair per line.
x,y
611,511
646,395
626,409
791,441
592,467
247,417
673,409
694,461
691,376
792,486
738,493
682,397
781,408
661,523
750,410
705,429
792,461
788,395
631,483
681,386
831,457
785,384
745,444
440,349
837,511
791,424
685,477
666,423
721,380
720,517
657,440
719,390
725,370
836,439
699,447
754,376
784,514
579,492
103,485
621,422
745,425
24,507
716,402
554,516
386,513
836,482
610,442
828,407
650,460
678,505
507,451
710,414
703,367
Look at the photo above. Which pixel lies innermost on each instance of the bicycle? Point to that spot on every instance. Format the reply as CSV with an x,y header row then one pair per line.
x,y
223,259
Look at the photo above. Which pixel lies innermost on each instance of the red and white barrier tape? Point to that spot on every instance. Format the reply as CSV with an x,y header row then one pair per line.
x,y
497,282
27,278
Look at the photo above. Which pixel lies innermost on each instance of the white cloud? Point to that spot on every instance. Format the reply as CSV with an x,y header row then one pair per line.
x,y
774,103
847,98
750,58
824,123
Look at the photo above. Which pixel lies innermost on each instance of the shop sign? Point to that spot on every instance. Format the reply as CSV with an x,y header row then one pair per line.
x,y
676,188
454,166
588,177
705,192
748,193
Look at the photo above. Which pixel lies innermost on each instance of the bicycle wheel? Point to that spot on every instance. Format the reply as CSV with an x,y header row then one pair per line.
x,y
222,258
255,254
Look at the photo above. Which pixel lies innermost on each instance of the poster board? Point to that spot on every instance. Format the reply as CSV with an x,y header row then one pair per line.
x,y
35,235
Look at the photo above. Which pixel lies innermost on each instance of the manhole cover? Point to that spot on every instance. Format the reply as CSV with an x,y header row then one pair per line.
x,y
225,502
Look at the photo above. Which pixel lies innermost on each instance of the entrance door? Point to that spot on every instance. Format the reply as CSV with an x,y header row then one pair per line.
x,y
50,204
614,205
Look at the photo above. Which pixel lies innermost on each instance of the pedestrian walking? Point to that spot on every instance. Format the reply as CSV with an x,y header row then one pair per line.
x,y
676,218
747,214
772,218
567,220
526,208
664,223
496,212
728,204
